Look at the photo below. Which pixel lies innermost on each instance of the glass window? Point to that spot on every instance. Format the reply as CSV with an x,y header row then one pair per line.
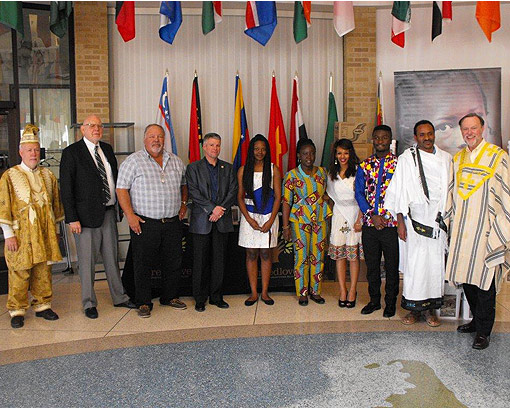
x,y
6,74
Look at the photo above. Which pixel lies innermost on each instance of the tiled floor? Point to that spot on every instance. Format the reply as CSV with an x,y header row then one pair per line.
x,y
285,317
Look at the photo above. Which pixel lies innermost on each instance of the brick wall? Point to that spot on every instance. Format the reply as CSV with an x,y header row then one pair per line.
x,y
360,76
91,56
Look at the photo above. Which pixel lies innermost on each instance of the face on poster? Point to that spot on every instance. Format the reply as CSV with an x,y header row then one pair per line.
x,y
443,97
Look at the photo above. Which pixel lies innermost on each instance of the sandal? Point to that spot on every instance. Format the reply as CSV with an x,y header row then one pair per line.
x,y
410,318
432,320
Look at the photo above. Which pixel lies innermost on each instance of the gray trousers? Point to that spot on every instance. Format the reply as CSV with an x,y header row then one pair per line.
x,y
89,244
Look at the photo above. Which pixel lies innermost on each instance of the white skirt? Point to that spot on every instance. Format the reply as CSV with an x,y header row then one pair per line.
x,y
341,233
250,238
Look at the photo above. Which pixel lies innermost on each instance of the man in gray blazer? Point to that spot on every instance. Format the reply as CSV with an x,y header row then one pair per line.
x,y
212,187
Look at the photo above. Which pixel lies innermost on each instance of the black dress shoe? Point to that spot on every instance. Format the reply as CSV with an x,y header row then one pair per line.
x,y
318,299
481,342
342,303
303,302
467,328
47,314
200,307
389,311
249,302
370,308
128,304
220,303
17,322
91,313
269,302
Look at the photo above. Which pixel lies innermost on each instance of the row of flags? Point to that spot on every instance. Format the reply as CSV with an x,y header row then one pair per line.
x,y
487,14
241,137
260,19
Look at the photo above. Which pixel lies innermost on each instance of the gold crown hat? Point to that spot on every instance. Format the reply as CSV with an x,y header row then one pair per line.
x,y
30,134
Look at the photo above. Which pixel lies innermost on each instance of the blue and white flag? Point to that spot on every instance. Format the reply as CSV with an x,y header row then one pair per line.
x,y
260,20
164,117
170,21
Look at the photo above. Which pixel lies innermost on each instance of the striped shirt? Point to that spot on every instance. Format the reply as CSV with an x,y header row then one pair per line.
x,y
155,191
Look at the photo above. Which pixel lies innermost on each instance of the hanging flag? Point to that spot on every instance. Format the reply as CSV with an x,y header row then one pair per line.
x,y
59,15
447,11
488,16
441,10
211,15
241,136
343,17
302,21
276,135
401,22
330,131
11,15
170,20
125,19
195,125
380,112
165,118
260,20
297,126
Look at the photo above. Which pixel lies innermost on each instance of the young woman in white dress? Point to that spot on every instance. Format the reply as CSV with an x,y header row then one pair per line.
x,y
259,197
345,241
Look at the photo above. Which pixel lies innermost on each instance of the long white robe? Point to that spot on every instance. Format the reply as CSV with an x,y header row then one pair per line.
x,y
422,259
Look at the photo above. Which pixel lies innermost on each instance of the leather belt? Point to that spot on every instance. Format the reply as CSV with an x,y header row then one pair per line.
x,y
161,220
109,207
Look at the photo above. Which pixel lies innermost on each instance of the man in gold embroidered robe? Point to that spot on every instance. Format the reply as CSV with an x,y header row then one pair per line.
x,y
479,215
30,207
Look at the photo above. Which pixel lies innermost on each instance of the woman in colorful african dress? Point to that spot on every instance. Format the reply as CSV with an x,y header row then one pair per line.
x,y
259,198
345,240
305,211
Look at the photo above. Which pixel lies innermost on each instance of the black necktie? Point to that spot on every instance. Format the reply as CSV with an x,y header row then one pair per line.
x,y
102,171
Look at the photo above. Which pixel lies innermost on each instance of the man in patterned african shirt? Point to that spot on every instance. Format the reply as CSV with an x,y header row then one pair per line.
x,y
479,216
379,230
30,207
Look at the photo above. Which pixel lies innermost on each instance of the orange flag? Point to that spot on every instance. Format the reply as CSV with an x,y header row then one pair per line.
x,y
277,138
488,16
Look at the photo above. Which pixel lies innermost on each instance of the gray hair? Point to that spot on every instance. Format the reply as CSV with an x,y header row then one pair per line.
x,y
151,125
212,135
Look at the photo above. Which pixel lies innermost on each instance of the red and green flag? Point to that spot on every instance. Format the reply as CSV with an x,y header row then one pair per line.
x,y
195,125
401,22
211,15
125,19
302,21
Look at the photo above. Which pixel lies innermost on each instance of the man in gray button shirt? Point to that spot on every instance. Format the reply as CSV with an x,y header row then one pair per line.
x,y
152,192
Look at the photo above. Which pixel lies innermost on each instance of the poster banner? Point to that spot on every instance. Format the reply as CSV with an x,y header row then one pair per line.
x,y
443,97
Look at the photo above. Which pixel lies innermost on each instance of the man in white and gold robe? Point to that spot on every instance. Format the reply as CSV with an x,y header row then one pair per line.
x,y
417,196
479,215
30,207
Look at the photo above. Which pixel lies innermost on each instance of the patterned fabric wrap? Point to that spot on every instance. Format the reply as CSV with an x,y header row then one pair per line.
x,y
370,168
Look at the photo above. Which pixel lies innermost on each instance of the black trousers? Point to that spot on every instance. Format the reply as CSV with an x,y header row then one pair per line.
x,y
158,244
375,243
483,306
209,265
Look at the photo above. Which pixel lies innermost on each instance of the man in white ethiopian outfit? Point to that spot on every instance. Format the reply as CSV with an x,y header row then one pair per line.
x,y
417,194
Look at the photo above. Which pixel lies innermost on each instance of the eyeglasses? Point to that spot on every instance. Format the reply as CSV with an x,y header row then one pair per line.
x,y
94,125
